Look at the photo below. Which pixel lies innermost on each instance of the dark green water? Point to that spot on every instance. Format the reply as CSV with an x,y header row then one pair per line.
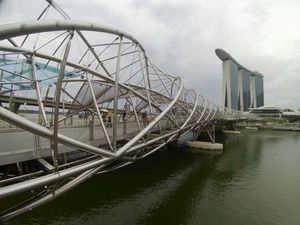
x,y
256,180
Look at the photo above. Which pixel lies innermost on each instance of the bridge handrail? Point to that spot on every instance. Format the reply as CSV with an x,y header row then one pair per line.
x,y
182,109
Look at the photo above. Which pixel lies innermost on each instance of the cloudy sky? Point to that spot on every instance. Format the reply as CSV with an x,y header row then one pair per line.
x,y
180,37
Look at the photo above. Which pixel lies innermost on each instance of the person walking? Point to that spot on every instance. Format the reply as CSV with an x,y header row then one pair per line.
x,y
145,118
104,117
109,117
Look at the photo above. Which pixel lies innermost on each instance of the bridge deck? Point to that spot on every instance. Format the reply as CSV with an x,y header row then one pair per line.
x,y
114,75
18,145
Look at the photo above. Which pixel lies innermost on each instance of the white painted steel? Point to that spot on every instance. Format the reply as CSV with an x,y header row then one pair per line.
x,y
105,71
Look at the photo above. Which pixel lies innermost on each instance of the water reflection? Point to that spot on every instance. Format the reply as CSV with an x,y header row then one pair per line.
x,y
178,207
255,180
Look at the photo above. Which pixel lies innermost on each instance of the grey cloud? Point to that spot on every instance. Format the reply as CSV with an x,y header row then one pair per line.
x,y
180,37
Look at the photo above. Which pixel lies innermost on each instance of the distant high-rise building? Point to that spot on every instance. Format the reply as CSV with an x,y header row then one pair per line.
x,y
257,86
230,85
242,88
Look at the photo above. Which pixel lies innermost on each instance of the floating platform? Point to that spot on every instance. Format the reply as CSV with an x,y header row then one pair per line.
x,y
204,145
251,128
231,132
286,128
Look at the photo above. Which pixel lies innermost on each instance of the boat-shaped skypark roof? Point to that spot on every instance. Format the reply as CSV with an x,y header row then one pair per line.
x,y
223,55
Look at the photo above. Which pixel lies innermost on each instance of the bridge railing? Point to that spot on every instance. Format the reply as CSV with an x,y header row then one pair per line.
x,y
100,72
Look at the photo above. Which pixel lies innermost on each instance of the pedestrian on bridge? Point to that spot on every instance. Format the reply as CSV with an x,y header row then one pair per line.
x,y
109,117
145,118
104,117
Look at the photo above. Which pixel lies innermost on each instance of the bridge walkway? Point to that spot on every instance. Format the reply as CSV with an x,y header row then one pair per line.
x,y
18,145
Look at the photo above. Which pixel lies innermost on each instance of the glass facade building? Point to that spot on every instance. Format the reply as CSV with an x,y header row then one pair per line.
x,y
234,86
230,85
246,96
259,90
242,88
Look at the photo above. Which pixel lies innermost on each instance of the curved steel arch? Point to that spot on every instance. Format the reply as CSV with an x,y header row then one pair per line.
x,y
117,70
32,27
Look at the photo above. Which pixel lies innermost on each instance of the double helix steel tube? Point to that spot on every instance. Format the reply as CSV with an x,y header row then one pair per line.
x,y
92,71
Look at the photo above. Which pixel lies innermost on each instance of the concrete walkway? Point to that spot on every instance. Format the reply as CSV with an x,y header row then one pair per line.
x,y
18,145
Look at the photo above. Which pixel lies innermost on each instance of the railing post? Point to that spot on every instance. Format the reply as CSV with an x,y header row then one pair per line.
x,y
91,128
124,124
71,120
115,118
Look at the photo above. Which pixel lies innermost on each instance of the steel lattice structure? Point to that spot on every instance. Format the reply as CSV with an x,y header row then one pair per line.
x,y
69,69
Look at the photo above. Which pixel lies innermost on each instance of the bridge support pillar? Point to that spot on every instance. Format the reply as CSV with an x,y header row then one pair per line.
x,y
14,107
231,128
205,144
124,123
231,125
71,120
211,132
91,129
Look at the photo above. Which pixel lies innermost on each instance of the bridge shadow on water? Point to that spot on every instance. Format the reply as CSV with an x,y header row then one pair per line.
x,y
169,187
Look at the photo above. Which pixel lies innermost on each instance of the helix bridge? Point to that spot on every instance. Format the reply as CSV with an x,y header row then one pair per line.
x,y
59,79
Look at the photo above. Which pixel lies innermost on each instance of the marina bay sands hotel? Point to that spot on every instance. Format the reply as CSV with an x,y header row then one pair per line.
x,y
242,88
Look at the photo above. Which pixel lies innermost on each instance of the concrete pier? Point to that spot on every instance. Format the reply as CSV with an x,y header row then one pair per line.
x,y
231,132
205,145
251,128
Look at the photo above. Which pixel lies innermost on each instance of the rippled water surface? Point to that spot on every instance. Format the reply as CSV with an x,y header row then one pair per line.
x,y
256,180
